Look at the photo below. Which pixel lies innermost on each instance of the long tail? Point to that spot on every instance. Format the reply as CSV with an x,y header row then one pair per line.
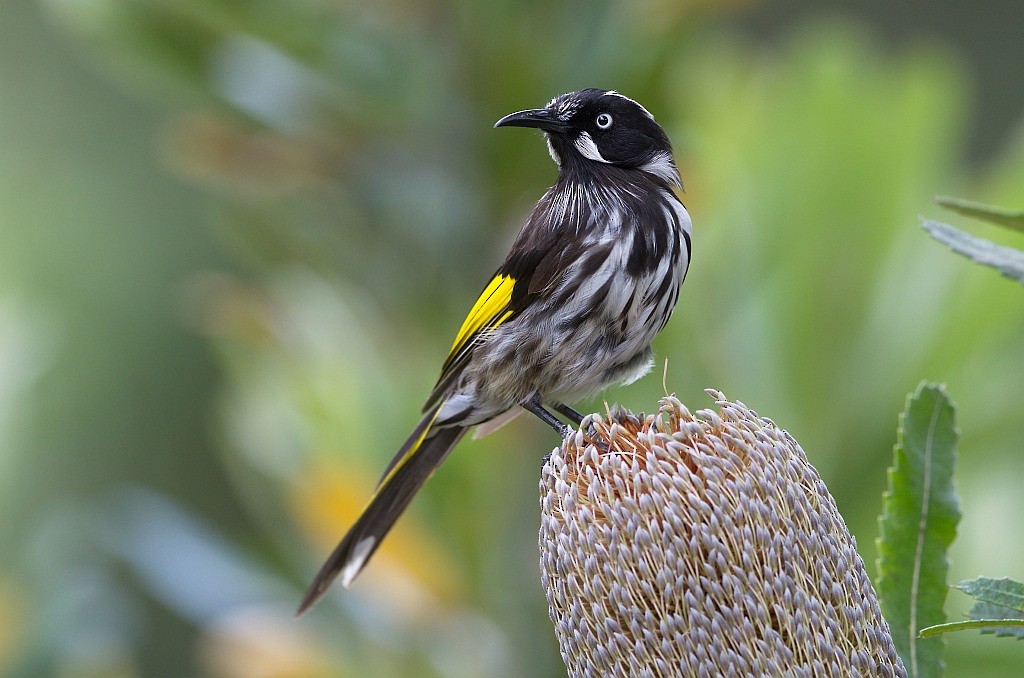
x,y
416,461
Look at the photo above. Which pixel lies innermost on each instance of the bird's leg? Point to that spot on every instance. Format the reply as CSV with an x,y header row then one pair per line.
x,y
533,404
577,418
566,411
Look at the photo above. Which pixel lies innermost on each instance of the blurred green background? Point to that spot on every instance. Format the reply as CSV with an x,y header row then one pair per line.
x,y
237,236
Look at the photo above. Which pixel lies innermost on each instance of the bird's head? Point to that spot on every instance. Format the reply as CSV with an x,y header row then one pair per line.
x,y
600,126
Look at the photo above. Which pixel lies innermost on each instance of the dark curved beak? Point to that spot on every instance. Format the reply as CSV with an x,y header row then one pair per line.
x,y
540,118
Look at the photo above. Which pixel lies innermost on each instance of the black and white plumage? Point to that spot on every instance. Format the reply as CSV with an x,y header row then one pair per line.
x,y
590,280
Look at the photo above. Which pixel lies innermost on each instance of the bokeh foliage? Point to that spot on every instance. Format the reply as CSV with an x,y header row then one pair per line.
x,y
360,198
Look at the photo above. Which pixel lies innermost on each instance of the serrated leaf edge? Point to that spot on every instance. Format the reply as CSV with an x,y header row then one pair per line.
x,y
1007,260
985,584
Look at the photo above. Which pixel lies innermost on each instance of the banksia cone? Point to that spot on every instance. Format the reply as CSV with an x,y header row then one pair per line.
x,y
702,545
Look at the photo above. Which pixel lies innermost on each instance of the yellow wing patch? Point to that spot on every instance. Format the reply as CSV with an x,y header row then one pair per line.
x,y
489,311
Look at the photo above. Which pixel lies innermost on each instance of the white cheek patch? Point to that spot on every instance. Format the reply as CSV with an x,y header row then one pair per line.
x,y
586,146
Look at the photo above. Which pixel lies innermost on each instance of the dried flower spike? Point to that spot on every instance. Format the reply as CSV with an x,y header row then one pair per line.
x,y
702,545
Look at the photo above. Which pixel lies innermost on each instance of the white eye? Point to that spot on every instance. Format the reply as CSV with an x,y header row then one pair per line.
x,y
604,121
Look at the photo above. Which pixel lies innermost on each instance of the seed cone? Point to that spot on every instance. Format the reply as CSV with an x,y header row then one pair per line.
x,y
702,545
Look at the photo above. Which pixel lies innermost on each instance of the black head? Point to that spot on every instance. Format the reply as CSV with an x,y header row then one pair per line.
x,y
600,126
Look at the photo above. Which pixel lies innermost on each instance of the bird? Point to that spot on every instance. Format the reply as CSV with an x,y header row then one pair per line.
x,y
590,280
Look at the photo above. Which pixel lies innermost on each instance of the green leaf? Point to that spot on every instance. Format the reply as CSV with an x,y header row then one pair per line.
x,y
997,215
983,610
984,625
1006,260
999,599
917,525
1003,592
